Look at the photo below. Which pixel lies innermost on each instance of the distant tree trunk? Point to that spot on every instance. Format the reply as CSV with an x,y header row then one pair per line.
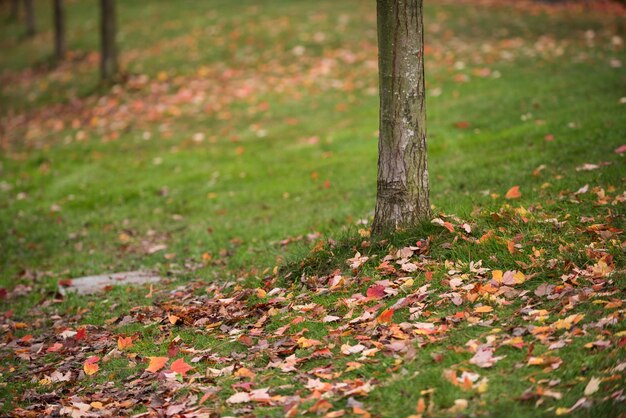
x,y
29,6
15,9
108,60
402,189
60,45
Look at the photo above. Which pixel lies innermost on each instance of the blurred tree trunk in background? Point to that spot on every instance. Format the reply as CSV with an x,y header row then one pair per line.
x,y
108,59
15,9
60,44
402,189
29,6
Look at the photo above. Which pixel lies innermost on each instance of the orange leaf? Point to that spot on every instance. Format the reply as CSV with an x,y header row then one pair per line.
x,y
483,309
244,372
386,317
179,366
156,364
513,193
421,406
91,366
124,342
510,245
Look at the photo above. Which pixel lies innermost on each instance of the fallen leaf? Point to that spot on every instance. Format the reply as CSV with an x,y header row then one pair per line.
x,y
124,342
593,386
513,193
156,364
621,149
91,366
376,292
239,397
386,317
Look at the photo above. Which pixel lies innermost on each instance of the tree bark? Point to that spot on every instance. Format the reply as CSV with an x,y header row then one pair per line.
x,y
15,9
402,188
60,44
29,6
108,29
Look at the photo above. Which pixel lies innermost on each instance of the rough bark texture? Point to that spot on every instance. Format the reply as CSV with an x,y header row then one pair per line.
x,y
108,29
402,190
60,45
29,7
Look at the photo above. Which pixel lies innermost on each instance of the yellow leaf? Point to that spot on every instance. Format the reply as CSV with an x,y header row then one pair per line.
x,y
91,366
519,277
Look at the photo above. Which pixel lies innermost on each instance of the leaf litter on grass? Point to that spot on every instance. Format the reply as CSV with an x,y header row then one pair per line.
x,y
318,331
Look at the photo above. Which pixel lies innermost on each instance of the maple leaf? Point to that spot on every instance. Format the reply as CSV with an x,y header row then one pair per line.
x,y
357,261
386,317
156,364
91,366
484,357
80,334
513,193
54,348
441,222
244,372
304,342
124,342
239,397
376,291
179,366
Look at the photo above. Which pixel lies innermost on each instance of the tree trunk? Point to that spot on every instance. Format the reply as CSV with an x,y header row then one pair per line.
x,y
402,189
60,45
15,9
29,6
108,59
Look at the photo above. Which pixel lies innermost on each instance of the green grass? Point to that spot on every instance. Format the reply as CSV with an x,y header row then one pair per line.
x,y
89,186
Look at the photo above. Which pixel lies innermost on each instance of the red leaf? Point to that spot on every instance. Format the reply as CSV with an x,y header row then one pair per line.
x,y
376,291
620,149
80,334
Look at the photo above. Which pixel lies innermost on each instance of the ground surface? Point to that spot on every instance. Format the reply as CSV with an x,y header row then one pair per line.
x,y
238,159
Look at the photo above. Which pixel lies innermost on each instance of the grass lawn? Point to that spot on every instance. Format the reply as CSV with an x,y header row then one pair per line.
x,y
237,159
